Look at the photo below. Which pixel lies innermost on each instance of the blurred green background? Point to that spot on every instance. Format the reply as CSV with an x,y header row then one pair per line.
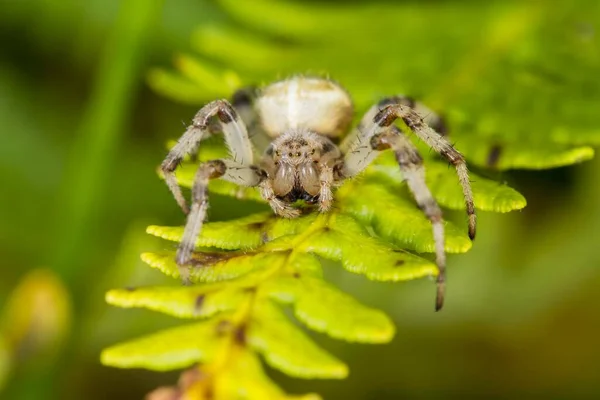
x,y
81,134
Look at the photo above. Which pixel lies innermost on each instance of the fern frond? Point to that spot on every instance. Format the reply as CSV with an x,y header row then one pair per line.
x,y
246,269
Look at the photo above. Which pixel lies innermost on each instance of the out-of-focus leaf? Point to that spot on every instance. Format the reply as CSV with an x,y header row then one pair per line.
x,y
37,315
198,82
4,362
538,50
287,348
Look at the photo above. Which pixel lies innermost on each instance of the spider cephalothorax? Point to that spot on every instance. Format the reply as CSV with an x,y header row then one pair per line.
x,y
302,119
295,161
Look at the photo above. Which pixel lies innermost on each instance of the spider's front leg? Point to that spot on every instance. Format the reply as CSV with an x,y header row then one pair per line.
x,y
239,169
236,138
225,169
386,117
278,206
375,134
411,166
330,160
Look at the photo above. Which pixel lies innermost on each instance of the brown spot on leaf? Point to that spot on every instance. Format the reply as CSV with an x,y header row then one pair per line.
x,y
494,156
199,302
206,259
240,335
399,263
223,327
256,226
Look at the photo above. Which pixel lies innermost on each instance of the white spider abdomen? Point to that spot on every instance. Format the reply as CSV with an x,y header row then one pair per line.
x,y
314,104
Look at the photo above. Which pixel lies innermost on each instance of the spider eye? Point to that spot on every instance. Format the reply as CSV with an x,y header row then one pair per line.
x,y
290,154
298,154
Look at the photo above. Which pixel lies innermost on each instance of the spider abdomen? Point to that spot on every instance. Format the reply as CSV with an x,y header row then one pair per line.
x,y
314,104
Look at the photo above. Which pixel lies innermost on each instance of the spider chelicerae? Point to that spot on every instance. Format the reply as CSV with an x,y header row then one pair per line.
x,y
304,119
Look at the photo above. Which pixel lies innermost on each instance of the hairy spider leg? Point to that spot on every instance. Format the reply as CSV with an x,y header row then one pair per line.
x,y
238,169
386,117
375,134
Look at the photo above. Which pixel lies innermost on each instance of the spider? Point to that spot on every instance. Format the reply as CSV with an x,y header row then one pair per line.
x,y
304,119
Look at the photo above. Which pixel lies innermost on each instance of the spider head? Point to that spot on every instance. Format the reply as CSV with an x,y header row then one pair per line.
x,y
295,151
296,156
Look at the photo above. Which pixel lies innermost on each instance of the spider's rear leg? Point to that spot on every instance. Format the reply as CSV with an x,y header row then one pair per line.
x,y
411,165
225,169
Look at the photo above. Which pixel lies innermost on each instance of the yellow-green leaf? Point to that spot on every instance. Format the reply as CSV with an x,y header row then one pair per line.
x,y
211,266
441,178
325,309
344,240
396,218
169,349
246,379
285,347
183,302
243,233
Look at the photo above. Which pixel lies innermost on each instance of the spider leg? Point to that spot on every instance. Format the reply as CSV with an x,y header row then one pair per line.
x,y
226,169
279,207
376,132
435,121
386,117
236,137
411,165
243,101
329,165
326,181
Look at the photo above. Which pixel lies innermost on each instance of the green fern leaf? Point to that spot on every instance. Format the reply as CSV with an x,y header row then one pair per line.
x,y
174,348
325,309
246,379
488,195
213,266
245,233
287,348
187,302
